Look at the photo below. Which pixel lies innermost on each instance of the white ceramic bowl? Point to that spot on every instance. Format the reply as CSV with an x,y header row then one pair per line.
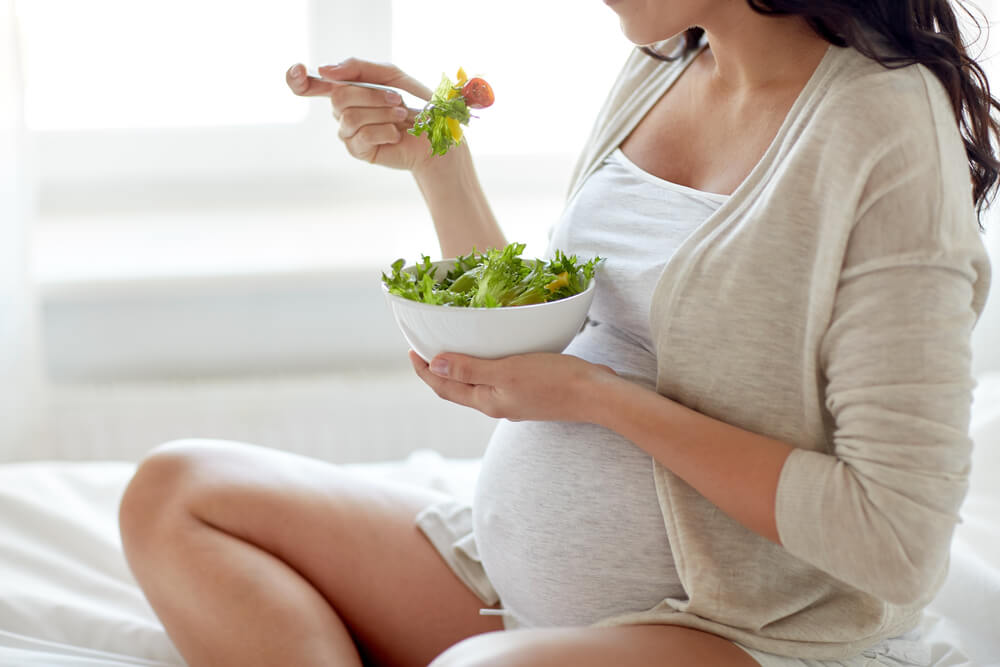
x,y
490,333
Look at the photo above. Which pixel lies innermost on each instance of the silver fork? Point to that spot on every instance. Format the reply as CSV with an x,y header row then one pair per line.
x,y
409,98
360,84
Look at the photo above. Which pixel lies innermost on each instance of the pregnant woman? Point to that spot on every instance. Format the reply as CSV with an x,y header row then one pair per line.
x,y
756,452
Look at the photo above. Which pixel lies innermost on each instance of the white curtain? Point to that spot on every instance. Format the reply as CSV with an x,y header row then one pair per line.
x,y
21,378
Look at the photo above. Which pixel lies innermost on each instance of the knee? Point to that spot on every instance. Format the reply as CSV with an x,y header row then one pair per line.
x,y
485,650
161,490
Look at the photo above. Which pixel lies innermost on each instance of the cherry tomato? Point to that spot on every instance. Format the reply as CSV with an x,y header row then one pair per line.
x,y
477,93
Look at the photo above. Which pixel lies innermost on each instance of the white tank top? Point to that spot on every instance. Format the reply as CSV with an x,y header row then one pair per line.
x,y
565,515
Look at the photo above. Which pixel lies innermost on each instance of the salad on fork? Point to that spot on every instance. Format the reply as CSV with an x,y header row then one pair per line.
x,y
448,109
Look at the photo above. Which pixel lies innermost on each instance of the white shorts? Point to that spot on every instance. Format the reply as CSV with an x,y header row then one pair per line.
x,y
904,651
448,526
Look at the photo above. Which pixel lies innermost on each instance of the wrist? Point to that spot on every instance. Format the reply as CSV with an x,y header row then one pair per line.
x,y
598,395
435,168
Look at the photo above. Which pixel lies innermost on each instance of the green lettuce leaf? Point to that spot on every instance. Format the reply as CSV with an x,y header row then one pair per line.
x,y
493,279
432,119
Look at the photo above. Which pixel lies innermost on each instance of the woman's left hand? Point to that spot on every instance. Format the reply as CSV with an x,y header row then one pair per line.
x,y
540,386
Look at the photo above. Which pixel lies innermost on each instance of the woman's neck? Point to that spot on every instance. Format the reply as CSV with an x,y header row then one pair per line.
x,y
752,53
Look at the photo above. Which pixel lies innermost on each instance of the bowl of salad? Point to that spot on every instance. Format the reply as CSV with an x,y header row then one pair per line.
x,y
492,304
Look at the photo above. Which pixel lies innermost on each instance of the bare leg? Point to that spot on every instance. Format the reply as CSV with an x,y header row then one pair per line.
x,y
252,556
626,646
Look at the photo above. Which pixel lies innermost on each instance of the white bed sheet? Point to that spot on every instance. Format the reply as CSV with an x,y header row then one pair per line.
x,y
66,594
68,599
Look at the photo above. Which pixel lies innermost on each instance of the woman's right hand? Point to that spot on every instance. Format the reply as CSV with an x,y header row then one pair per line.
x,y
373,123
375,132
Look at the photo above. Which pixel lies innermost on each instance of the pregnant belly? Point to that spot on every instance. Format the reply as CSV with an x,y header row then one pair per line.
x,y
568,525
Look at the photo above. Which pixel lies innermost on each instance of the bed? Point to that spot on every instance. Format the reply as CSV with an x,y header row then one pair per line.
x,y
68,599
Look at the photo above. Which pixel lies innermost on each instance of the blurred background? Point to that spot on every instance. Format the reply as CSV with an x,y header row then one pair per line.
x,y
186,249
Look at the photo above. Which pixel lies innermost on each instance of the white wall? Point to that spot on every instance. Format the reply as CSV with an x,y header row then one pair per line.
x,y
344,417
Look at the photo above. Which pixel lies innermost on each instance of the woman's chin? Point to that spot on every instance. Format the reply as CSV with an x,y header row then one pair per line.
x,y
641,35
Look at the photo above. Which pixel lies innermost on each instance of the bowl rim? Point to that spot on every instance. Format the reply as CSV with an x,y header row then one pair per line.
x,y
477,309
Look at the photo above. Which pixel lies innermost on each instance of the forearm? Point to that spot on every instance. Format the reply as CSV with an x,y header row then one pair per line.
x,y
462,216
736,470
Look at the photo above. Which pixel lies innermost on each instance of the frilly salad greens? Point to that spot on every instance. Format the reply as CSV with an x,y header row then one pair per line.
x,y
492,279
442,118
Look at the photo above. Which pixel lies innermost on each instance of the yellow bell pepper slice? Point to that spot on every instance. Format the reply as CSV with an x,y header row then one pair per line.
x,y
455,128
562,280
456,90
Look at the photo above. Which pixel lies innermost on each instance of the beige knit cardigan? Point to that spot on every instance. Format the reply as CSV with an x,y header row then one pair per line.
x,y
828,303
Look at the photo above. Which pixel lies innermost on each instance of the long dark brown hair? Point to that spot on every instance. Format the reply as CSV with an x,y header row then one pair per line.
x,y
915,31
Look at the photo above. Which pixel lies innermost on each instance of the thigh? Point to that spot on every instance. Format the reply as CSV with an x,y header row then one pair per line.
x,y
624,646
352,538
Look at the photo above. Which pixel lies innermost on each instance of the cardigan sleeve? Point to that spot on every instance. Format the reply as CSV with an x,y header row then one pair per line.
x,y
877,509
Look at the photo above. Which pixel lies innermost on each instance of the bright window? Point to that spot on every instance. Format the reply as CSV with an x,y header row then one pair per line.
x,y
105,64
154,97
162,100
550,63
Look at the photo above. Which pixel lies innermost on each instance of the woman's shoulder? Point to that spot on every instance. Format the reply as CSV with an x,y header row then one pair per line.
x,y
880,123
899,143
878,105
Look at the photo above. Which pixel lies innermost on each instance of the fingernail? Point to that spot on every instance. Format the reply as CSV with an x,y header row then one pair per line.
x,y
393,98
399,112
295,72
439,366
329,66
